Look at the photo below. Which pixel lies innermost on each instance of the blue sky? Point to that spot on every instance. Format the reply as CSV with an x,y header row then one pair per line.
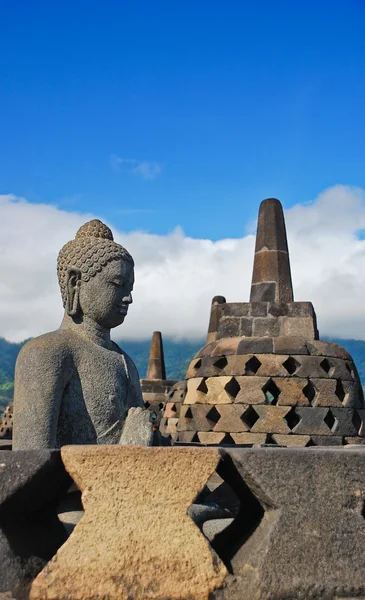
x,y
153,115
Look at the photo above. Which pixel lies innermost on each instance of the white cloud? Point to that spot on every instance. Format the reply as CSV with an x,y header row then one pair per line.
x,y
177,276
145,169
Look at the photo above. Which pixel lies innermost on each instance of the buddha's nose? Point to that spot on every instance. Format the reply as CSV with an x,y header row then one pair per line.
x,y
128,299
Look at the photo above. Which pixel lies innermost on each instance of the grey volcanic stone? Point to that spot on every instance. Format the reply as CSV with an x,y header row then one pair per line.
x,y
31,484
204,512
74,385
156,362
307,542
214,527
271,278
137,429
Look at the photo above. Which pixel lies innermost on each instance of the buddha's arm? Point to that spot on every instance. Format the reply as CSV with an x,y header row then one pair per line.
x,y
134,388
41,374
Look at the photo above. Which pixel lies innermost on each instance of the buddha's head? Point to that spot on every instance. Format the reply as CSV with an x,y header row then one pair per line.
x,y
96,276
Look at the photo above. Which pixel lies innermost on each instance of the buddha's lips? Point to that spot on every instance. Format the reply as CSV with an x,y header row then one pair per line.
x,y
123,310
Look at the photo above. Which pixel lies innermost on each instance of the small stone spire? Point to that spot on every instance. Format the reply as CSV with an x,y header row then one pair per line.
x,y
271,279
215,314
156,362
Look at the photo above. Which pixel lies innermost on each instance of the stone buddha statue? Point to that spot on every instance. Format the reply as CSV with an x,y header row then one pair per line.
x,y
75,385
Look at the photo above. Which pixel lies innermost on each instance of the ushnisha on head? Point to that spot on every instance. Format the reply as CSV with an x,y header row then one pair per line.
x,y
96,276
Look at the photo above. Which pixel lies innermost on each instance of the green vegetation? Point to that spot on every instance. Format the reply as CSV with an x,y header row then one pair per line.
x,y
177,358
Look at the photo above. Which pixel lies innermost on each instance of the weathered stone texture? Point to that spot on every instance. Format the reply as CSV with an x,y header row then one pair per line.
x,y
31,484
6,425
309,540
121,548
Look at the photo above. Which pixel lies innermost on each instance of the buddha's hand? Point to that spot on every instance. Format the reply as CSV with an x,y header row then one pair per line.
x,y
137,428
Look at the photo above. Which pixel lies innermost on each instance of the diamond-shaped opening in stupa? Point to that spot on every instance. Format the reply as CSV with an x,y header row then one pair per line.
x,y
249,417
331,421
228,511
252,366
291,365
221,362
271,392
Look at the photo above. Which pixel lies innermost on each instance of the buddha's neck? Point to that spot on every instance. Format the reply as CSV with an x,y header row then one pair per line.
x,y
88,328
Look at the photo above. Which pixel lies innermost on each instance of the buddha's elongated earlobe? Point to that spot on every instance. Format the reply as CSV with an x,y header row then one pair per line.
x,y
72,291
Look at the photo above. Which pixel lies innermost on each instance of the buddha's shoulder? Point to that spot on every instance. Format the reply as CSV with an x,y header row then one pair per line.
x,y
55,344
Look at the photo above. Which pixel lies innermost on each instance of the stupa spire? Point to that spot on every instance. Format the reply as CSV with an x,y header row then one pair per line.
x,y
271,278
156,362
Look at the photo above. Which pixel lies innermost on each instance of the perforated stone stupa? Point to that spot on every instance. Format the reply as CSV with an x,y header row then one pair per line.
x,y
264,376
155,387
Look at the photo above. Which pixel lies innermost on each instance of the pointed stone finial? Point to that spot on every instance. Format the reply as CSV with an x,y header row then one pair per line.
x,y
271,279
215,314
156,362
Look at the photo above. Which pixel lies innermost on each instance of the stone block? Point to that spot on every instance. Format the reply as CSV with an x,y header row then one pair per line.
x,y
278,309
236,364
262,345
309,541
109,554
171,426
215,315
312,421
313,367
171,410
246,324
193,368
177,392
230,419
271,265
206,350
31,485
154,398
228,327
249,438
326,392
211,437
344,421
354,441
226,347
259,309
156,386
326,440
319,348
290,345
271,419
341,369
263,292
236,309
186,421
301,309
272,365
219,390
266,326
207,367
291,392
291,441
304,327
251,390
206,417
196,391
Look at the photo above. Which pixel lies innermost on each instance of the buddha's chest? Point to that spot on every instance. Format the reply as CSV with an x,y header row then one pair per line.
x,y
96,398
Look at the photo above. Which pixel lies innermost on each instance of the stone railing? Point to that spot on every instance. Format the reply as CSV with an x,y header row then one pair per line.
x,y
293,526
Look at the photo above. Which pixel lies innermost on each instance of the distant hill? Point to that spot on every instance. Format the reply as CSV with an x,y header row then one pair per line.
x,y
177,358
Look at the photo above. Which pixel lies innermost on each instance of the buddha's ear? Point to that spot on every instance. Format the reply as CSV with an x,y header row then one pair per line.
x,y
73,283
